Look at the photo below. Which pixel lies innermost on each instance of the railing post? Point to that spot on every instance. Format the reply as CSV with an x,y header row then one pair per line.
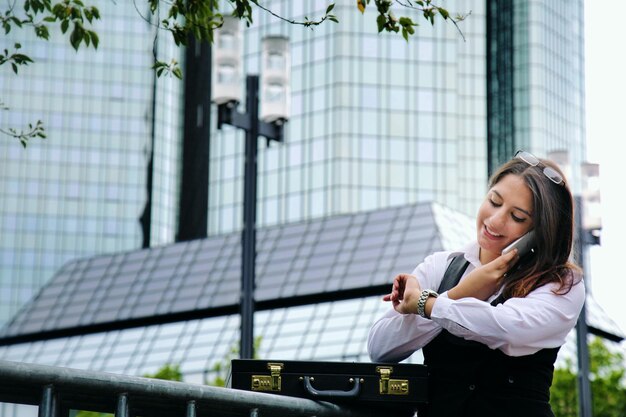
x,y
191,408
49,404
122,406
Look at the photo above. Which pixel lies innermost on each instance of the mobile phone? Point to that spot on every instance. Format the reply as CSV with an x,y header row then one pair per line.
x,y
524,244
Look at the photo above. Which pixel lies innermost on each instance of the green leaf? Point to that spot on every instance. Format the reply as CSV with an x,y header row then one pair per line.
x,y
64,25
42,32
16,21
22,59
381,21
76,37
14,66
94,38
405,21
330,8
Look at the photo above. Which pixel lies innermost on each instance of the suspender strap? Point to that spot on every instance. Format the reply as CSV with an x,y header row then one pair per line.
x,y
453,274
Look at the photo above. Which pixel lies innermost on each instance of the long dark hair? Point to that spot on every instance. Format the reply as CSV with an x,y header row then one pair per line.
x,y
553,220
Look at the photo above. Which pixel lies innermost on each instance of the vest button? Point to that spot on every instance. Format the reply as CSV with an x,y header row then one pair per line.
x,y
472,387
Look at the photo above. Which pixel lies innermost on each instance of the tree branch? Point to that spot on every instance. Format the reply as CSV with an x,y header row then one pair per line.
x,y
306,22
429,9
36,131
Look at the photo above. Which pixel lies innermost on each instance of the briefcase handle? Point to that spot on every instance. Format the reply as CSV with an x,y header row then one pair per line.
x,y
352,393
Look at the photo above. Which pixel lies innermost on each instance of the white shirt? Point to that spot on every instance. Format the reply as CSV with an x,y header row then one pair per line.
x,y
520,326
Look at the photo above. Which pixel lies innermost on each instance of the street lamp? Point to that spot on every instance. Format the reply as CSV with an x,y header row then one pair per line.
x,y
588,227
269,122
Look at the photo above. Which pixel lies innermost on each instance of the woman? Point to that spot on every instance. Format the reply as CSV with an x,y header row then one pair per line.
x,y
490,340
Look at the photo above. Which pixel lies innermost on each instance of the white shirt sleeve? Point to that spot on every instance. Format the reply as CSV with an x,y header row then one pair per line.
x,y
394,337
519,326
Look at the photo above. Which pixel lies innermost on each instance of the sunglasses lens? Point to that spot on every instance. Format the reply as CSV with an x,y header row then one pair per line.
x,y
554,176
528,157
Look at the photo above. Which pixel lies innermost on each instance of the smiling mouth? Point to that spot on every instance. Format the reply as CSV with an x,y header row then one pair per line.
x,y
490,234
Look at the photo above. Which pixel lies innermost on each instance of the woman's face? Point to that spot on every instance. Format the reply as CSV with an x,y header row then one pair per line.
x,y
505,215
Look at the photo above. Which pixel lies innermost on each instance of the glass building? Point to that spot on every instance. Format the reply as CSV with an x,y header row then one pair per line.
x,y
536,76
376,121
83,190
377,124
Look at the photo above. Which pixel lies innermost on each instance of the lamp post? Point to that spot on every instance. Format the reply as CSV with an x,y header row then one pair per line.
x,y
588,227
582,331
267,122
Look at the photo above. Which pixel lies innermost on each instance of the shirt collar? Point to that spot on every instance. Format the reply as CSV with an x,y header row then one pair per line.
x,y
471,251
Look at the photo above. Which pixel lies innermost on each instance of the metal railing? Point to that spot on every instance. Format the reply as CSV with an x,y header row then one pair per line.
x,y
58,390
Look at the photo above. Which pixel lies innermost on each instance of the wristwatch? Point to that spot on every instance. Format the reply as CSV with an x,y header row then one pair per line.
x,y
421,303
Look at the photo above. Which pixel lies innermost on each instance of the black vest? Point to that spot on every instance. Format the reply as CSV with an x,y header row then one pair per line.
x,y
468,379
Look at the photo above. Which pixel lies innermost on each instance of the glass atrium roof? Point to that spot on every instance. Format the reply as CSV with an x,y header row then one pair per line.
x,y
201,278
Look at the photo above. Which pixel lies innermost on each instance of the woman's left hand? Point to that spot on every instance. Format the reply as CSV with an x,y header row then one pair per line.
x,y
483,281
405,293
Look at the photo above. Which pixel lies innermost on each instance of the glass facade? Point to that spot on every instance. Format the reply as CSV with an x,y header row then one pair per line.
x,y
536,80
376,121
82,190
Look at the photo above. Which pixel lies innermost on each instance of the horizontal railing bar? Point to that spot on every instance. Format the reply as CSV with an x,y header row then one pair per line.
x,y
23,383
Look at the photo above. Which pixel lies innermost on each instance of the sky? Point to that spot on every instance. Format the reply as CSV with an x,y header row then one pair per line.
x,y
605,66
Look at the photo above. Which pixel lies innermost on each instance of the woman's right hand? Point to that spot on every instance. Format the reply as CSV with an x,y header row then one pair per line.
x,y
405,293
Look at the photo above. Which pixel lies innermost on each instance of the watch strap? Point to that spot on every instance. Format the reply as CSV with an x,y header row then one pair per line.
x,y
421,302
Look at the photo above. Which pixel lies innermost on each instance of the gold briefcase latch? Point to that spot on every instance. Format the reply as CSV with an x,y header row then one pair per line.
x,y
271,382
388,386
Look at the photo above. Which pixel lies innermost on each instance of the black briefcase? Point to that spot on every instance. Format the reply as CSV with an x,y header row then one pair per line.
x,y
393,386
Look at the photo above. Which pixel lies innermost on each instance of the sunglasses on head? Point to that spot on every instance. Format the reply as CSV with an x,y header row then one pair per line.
x,y
532,160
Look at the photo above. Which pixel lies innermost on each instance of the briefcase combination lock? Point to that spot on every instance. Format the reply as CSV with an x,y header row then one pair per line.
x,y
388,386
271,382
